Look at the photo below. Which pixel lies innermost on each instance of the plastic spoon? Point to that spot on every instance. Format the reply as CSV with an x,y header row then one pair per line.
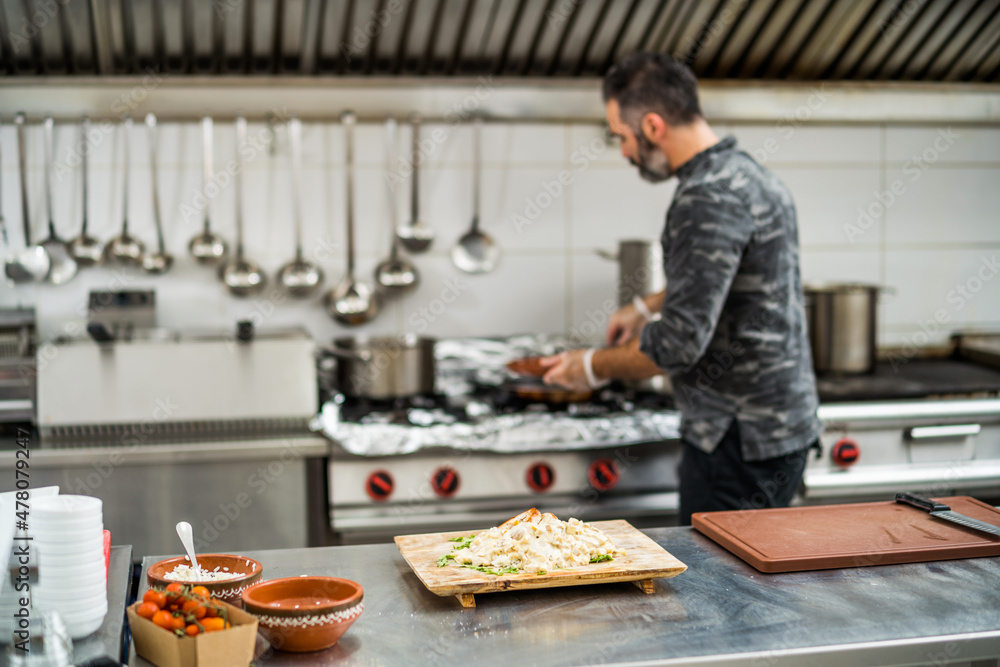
x,y
187,539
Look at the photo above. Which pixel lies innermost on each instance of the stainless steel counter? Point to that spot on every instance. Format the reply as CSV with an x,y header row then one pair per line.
x,y
719,612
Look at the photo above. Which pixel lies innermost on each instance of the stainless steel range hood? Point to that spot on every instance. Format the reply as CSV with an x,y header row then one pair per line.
x,y
836,40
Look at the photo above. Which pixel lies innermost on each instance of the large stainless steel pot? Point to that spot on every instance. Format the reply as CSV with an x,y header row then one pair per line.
x,y
842,325
640,269
383,368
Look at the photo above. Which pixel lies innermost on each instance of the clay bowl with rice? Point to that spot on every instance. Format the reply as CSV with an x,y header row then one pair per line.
x,y
226,576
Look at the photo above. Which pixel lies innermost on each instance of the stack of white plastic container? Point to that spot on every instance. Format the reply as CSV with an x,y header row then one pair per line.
x,y
68,532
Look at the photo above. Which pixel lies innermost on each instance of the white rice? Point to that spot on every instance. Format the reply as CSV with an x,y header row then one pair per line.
x,y
188,573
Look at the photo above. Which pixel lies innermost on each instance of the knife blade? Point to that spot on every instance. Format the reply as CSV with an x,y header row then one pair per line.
x,y
942,511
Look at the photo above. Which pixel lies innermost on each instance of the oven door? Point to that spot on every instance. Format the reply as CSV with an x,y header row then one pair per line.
x,y
936,447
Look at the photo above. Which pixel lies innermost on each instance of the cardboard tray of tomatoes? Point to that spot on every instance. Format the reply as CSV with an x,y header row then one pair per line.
x,y
183,626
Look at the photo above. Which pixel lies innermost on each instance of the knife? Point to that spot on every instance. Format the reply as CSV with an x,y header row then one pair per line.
x,y
942,511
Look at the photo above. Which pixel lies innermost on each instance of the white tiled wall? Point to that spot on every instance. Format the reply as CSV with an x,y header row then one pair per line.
x,y
935,244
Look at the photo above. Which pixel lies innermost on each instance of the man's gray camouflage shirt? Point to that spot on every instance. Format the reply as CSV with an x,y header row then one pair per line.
x,y
733,332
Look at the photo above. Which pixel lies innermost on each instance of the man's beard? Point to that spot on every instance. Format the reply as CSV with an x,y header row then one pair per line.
x,y
652,164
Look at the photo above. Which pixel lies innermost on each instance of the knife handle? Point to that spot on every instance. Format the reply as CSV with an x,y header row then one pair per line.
x,y
921,502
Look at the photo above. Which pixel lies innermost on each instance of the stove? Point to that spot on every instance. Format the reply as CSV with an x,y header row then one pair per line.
x,y
930,425
473,458
478,480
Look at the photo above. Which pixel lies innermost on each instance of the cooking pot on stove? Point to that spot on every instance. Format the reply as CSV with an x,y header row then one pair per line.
x,y
842,327
383,368
640,269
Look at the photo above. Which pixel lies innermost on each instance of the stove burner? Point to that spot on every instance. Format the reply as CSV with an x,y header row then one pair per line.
x,y
427,410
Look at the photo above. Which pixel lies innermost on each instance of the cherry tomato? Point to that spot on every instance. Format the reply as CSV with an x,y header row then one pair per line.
x,y
147,609
156,597
163,619
194,608
212,611
174,591
192,630
214,624
201,592
178,622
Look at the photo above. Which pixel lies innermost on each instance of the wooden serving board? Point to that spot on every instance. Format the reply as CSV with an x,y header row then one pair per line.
x,y
644,560
822,537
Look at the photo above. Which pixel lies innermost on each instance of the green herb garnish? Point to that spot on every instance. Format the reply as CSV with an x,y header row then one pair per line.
x,y
483,568
601,558
462,542
443,560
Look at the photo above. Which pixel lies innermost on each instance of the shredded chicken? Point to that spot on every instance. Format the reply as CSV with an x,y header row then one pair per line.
x,y
534,542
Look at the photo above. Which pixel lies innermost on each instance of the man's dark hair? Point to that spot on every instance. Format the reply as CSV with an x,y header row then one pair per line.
x,y
653,82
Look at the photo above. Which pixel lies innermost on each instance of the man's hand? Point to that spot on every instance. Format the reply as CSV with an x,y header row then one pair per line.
x,y
625,324
566,370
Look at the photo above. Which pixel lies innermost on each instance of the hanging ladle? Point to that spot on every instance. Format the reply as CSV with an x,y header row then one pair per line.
x,y
63,265
240,276
299,278
125,248
351,302
395,275
86,250
32,264
207,248
159,261
415,235
476,252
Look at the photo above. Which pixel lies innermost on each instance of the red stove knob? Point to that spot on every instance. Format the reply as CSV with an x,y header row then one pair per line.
x,y
445,481
379,485
541,477
604,474
845,453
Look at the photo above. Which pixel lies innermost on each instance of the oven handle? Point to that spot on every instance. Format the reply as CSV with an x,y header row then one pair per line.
x,y
883,479
945,431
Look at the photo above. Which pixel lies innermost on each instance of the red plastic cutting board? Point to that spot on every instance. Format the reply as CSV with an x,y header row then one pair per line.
x,y
793,539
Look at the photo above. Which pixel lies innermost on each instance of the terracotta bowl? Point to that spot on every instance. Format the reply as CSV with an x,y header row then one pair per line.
x,y
228,590
302,614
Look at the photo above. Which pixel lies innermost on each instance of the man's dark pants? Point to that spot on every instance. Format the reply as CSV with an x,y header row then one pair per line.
x,y
723,480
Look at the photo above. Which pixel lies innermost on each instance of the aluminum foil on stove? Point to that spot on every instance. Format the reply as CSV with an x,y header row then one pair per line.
x,y
509,433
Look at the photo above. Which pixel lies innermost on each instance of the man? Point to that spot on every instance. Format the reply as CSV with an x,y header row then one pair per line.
x,y
732,331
